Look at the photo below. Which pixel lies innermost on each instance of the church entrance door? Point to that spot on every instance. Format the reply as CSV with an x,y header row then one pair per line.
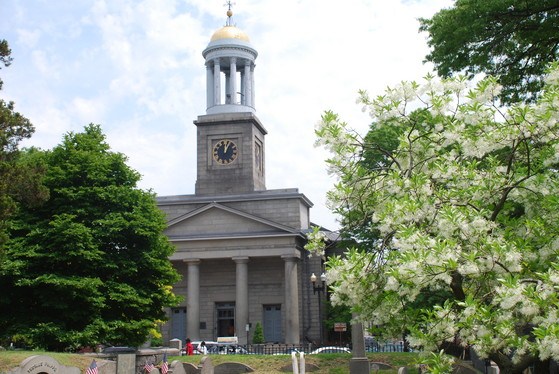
x,y
272,323
178,324
225,319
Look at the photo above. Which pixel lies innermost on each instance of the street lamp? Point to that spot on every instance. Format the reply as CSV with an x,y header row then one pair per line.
x,y
318,290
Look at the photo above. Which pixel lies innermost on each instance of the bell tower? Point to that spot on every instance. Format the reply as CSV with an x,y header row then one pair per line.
x,y
230,138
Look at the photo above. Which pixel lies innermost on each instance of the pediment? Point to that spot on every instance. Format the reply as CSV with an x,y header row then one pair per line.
x,y
217,220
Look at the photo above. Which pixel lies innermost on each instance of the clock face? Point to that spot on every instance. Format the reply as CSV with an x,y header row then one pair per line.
x,y
225,152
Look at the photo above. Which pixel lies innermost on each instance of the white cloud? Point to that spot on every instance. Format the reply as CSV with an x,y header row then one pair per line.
x,y
136,67
28,37
87,111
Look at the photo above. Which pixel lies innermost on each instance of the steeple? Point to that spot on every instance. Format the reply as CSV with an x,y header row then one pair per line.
x,y
229,13
231,147
229,53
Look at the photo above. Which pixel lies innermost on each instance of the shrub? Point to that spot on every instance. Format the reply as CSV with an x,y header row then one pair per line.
x,y
258,337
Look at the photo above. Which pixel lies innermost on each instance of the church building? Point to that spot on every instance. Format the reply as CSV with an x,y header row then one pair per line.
x,y
239,246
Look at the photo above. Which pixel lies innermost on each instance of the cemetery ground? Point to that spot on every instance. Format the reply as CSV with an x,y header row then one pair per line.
x,y
331,363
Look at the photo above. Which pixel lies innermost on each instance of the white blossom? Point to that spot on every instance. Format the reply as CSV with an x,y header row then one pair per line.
x,y
469,194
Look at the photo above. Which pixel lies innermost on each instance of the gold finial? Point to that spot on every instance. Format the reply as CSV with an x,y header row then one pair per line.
x,y
229,4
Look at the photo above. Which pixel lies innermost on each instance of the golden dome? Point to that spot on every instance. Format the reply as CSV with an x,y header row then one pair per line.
x,y
229,32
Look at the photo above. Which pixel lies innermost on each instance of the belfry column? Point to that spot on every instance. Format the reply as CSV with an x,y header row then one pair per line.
x,y
193,300
209,86
217,83
233,79
241,304
291,300
252,85
247,85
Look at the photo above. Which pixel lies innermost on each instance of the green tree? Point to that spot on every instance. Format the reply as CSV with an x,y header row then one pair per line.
x,y
513,40
20,179
466,209
5,56
90,265
258,337
338,313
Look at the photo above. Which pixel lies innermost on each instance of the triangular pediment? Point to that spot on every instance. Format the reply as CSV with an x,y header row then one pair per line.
x,y
217,220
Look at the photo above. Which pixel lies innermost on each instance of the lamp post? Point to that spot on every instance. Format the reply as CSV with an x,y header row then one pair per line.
x,y
317,290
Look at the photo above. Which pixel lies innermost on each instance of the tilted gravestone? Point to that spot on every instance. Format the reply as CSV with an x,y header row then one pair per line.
x,y
376,366
43,364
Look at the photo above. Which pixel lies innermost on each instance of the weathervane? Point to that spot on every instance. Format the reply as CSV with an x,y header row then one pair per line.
x,y
229,4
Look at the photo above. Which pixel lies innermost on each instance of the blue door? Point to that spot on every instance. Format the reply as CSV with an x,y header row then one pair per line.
x,y
178,324
272,323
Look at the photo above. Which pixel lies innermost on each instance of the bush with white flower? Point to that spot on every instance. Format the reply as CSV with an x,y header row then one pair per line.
x,y
463,197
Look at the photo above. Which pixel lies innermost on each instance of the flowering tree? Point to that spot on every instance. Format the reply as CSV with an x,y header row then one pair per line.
x,y
465,205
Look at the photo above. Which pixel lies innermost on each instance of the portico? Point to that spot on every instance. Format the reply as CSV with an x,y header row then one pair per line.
x,y
242,320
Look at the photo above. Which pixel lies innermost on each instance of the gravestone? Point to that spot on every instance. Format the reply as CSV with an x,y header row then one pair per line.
x,y
463,368
188,368
43,364
376,366
206,366
231,368
176,344
176,367
126,363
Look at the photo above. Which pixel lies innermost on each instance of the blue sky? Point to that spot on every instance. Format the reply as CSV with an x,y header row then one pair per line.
x,y
136,68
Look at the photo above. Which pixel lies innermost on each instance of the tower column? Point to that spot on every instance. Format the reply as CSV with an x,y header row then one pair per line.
x,y
291,300
233,80
246,84
217,82
227,89
209,85
241,303
252,85
193,300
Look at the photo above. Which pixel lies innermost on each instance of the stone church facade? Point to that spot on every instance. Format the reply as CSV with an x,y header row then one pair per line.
x,y
239,246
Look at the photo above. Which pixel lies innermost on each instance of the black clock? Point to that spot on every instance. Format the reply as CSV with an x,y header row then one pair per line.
x,y
225,151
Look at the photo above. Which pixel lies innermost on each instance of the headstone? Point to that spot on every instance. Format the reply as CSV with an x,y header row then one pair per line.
x,y
232,368
43,364
175,343
376,366
359,365
206,366
176,367
464,368
105,366
189,368
126,363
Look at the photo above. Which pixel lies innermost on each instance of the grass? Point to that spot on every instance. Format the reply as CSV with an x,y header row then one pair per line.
x,y
332,363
